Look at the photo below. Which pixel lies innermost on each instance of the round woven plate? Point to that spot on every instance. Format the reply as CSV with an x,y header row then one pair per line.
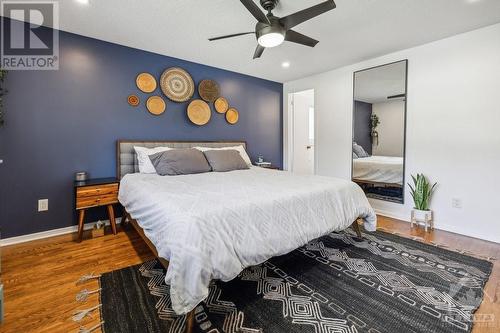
x,y
156,105
177,84
221,105
146,82
232,116
133,100
209,90
199,112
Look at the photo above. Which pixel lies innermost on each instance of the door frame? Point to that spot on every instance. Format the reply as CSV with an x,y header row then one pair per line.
x,y
288,142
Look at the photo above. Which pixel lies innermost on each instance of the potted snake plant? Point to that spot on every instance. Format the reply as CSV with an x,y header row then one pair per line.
x,y
422,191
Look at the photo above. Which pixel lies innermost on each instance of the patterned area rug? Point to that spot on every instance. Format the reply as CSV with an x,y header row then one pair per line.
x,y
338,283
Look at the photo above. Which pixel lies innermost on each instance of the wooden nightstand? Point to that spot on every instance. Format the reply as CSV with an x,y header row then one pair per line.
x,y
267,166
96,193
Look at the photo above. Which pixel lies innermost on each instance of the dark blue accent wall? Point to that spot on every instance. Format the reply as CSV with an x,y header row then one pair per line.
x,y
60,122
363,125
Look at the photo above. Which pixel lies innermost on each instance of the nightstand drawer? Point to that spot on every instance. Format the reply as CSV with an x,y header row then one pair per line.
x,y
97,200
99,190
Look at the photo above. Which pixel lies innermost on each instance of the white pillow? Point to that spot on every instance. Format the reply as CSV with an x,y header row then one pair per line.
x,y
145,165
239,148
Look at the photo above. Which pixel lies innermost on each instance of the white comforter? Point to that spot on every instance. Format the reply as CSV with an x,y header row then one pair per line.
x,y
379,169
213,225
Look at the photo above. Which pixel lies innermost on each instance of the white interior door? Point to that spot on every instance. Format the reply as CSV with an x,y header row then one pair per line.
x,y
303,132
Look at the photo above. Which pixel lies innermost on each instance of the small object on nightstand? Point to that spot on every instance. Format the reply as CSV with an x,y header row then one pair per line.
x,y
81,176
260,159
263,164
96,193
266,165
98,229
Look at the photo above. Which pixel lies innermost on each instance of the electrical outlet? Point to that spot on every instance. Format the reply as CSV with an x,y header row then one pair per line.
x,y
43,205
456,203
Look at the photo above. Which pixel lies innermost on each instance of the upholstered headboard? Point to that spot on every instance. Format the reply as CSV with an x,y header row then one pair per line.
x,y
126,159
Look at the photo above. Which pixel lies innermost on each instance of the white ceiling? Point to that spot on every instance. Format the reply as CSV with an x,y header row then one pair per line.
x,y
376,84
355,31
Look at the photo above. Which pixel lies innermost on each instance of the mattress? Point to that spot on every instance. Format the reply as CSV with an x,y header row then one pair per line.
x,y
378,169
213,225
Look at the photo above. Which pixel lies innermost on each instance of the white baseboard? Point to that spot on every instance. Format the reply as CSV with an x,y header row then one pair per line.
x,y
392,215
50,233
469,233
444,227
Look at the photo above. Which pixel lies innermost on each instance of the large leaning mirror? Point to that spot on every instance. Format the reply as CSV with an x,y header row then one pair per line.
x,y
379,123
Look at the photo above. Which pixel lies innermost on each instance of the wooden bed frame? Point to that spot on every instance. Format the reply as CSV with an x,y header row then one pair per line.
x,y
126,219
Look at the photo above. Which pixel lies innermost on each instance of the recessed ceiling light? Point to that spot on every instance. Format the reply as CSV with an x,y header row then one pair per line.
x,y
83,2
285,64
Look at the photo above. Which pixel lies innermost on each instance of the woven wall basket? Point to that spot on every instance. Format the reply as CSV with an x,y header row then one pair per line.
x,y
156,105
199,112
177,84
209,90
146,82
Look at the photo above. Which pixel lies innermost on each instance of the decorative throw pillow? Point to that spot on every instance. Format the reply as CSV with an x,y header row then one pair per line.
x,y
358,150
180,162
225,160
239,148
143,160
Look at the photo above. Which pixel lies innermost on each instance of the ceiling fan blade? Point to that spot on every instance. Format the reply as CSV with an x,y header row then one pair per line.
x,y
292,20
233,35
255,11
258,51
296,37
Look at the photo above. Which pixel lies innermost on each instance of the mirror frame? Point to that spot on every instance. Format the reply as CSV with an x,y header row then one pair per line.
x,y
404,125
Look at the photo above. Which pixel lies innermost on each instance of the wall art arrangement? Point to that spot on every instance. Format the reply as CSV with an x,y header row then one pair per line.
x,y
178,86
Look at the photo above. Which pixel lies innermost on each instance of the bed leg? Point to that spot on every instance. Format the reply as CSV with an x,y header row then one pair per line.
x,y
190,322
357,229
125,217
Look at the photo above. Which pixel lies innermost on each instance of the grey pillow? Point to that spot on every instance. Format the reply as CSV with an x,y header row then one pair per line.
x,y
359,151
179,162
225,160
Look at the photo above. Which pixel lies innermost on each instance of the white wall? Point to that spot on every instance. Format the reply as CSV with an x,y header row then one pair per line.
x,y
453,127
391,128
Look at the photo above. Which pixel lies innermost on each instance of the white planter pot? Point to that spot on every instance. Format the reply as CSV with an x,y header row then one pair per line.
x,y
424,217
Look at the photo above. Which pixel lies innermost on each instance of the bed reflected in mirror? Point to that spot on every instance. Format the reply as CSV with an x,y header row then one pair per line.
x,y
379,122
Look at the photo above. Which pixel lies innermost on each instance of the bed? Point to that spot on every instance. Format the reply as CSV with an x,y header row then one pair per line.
x,y
213,225
382,170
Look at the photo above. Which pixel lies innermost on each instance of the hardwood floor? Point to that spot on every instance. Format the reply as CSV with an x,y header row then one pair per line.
x,y
39,277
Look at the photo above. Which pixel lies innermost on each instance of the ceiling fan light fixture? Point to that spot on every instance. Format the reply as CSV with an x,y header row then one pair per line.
x,y
271,39
272,31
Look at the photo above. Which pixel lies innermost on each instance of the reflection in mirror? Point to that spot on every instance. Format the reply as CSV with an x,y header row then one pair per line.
x,y
378,148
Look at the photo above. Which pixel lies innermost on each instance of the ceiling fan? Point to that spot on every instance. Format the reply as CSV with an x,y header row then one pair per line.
x,y
271,31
